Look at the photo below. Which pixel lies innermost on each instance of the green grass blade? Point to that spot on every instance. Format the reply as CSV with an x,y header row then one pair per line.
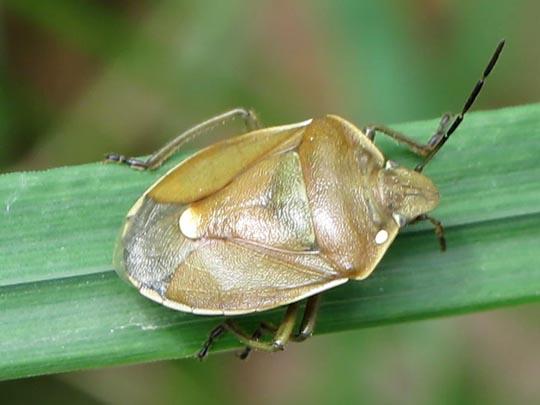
x,y
63,308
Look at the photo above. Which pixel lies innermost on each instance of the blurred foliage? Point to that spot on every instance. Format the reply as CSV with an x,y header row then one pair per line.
x,y
80,78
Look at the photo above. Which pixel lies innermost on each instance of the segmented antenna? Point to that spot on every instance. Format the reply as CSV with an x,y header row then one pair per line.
x,y
466,107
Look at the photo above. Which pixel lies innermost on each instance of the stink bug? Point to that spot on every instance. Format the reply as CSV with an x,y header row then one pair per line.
x,y
274,216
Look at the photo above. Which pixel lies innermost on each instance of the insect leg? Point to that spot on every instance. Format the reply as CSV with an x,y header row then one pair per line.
x,y
441,130
264,327
281,337
307,325
414,146
309,319
214,334
159,157
439,230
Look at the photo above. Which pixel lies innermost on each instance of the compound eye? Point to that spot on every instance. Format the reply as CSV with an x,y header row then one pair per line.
x,y
391,165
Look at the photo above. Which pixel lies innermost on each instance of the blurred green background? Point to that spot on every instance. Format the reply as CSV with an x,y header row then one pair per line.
x,y
82,78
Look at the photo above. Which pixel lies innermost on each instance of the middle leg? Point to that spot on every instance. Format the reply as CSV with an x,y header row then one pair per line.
x,y
281,336
307,325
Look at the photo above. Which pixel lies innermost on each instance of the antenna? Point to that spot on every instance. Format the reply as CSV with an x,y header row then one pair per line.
x,y
466,107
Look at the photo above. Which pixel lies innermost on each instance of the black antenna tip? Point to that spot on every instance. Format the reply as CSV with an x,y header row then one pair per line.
x,y
494,58
500,46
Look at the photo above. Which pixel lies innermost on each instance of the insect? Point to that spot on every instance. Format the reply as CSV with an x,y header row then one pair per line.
x,y
274,216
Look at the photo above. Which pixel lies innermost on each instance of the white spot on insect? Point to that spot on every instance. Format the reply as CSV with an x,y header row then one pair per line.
x,y
381,237
189,224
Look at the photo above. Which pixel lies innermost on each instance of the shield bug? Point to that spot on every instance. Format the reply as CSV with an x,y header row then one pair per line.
x,y
274,216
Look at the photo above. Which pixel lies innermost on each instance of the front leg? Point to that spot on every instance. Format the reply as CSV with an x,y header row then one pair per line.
x,y
439,230
416,147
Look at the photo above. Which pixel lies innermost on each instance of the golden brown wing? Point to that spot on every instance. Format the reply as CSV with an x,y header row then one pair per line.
x,y
256,194
230,277
248,247
214,167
